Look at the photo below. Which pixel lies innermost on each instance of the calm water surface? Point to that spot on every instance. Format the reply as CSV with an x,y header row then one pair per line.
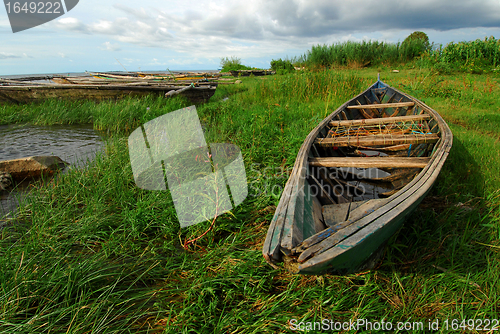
x,y
75,144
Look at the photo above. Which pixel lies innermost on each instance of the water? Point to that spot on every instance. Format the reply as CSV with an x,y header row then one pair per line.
x,y
75,144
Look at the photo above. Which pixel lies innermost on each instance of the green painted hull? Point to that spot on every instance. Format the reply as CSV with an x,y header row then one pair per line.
x,y
333,218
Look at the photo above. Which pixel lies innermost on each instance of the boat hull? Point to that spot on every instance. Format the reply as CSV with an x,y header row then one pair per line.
x,y
29,94
246,73
316,229
361,253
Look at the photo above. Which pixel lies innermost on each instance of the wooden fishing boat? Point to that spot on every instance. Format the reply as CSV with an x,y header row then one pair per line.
x,y
191,76
246,73
91,80
357,175
15,91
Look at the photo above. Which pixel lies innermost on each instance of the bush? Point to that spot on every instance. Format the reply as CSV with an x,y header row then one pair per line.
x,y
232,64
443,68
282,66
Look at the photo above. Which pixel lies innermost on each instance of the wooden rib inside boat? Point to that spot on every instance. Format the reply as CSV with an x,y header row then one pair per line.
x,y
357,175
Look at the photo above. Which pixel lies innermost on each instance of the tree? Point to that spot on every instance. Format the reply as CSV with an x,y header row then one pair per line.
x,y
232,64
418,36
282,66
414,45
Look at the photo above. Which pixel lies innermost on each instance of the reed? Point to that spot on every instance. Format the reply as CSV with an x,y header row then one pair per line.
x,y
92,253
476,57
365,53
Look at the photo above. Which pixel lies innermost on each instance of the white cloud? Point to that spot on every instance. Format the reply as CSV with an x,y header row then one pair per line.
x,y
138,13
4,23
5,55
108,46
71,24
105,27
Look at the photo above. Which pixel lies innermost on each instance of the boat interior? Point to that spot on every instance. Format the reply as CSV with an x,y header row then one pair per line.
x,y
373,147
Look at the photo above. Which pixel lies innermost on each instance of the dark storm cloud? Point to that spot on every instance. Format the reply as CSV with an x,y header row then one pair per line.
x,y
440,16
316,18
206,24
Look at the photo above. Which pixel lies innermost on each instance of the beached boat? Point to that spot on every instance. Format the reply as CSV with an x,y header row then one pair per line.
x,y
358,174
96,80
18,91
246,73
190,76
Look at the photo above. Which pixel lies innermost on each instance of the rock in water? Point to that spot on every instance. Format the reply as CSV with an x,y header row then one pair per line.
x,y
5,180
30,167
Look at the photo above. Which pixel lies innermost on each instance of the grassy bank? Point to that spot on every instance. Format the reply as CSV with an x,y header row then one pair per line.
x,y
362,54
92,253
114,118
476,57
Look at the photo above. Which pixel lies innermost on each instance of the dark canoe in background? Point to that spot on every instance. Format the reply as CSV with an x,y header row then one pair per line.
x,y
189,76
75,88
246,73
357,175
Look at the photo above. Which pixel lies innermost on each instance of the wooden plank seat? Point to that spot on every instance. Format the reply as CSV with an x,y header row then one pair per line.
x,y
380,121
382,105
370,162
378,140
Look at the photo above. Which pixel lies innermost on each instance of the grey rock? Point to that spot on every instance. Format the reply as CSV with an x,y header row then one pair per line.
x,y
5,180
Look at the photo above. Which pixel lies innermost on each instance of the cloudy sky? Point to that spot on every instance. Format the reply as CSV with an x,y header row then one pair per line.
x,y
195,34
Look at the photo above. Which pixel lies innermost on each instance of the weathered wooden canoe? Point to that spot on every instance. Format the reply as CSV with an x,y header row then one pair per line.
x,y
357,175
190,76
144,81
12,91
246,73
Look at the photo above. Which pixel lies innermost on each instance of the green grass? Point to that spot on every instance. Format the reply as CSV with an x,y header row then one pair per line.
x,y
92,253
119,117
